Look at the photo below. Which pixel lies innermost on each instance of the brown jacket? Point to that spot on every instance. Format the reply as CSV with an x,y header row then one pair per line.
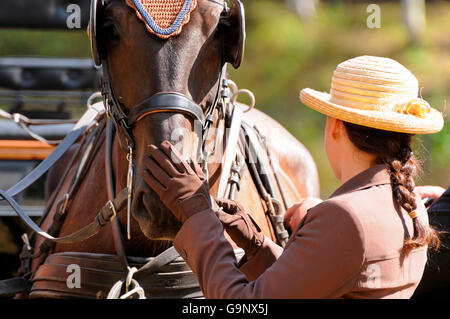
x,y
346,247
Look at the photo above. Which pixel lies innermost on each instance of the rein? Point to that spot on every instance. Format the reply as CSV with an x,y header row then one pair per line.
x,y
87,120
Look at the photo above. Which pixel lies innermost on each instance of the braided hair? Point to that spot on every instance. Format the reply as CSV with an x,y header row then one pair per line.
x,y
394,150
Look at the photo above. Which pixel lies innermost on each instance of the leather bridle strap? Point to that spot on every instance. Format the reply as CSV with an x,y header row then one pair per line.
x,y
165,102
110,186
106,214
232,140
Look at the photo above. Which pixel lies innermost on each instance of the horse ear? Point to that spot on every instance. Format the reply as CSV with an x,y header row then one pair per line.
x,y
234,41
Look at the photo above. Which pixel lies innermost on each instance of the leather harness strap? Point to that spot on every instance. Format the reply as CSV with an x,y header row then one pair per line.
x,y
88,119
110,185
99,272
260,165
88,146
106,214
230,148
10,287
166,257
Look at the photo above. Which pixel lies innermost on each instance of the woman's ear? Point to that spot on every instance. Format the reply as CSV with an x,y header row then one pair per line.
x,y
234,34
335,127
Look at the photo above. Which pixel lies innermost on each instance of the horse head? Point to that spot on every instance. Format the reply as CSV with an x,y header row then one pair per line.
x,y
139,65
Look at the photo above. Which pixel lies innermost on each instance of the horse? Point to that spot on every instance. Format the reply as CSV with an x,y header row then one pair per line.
x,y
140,65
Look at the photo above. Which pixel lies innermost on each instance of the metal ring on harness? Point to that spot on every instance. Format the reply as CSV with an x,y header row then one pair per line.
x,y
275,204
249,93
232,85
114,293
95,95
130,277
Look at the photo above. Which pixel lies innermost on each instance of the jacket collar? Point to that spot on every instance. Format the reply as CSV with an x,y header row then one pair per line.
x,y
375,175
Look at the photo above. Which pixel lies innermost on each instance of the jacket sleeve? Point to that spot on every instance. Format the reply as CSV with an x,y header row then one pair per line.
x,y
266,255
323,260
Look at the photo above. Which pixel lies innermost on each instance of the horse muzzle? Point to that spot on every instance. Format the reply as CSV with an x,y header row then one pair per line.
x,y
155,220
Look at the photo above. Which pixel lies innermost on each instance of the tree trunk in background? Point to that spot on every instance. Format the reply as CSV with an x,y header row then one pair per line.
x,y
415,18
305,9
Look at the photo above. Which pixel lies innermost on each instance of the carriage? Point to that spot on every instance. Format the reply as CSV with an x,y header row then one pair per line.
x,y
44,91
98,214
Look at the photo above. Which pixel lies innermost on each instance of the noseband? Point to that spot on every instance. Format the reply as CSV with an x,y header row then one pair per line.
x,y
162,102
166,102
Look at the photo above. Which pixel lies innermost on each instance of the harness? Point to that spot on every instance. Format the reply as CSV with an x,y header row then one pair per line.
x,y
117,121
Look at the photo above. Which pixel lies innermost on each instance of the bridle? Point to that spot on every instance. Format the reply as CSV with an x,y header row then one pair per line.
x,y
173,102
160,102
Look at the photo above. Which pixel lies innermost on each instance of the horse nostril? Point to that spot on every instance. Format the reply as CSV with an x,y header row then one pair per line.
x,y
144,196
181,138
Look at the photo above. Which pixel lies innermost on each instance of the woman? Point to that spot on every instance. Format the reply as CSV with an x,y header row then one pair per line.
x,y
368,240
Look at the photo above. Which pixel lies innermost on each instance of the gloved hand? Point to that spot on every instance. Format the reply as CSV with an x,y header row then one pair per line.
x,y
295,214
183,189
241,227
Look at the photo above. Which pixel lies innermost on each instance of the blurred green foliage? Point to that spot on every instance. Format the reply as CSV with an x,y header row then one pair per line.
x,y
44,43
284,55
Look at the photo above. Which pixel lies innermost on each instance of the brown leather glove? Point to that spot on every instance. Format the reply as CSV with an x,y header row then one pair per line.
x,y
241,227
183,189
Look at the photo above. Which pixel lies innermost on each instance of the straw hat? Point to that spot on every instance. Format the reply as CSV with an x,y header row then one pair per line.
x,y
376,92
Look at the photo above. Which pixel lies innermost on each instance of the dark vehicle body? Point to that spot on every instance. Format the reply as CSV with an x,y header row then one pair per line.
x,y
38,88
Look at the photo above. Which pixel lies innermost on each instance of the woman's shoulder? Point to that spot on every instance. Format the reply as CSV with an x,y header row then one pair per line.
x,y
337,214
367,205
343,206
379,222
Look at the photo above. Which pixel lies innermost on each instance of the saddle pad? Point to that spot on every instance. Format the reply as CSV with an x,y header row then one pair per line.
x,y
164,18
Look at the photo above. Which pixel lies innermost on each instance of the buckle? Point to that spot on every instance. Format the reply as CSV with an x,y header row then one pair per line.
x,y
112,208
26,241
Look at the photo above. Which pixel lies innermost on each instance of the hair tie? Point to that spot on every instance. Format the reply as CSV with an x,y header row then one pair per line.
x,y
405,154
413,214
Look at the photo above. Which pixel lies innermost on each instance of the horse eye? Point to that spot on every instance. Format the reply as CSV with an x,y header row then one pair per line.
x,y
109,29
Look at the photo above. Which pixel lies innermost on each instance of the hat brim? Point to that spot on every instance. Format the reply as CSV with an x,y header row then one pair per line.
x,y
383,120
